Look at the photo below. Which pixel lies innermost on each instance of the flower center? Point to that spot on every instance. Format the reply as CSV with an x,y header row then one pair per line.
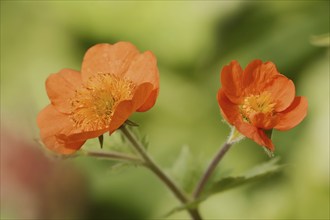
x,y
94,103
254,104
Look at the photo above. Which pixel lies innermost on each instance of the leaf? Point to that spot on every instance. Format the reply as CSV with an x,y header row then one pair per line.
x,y
257,173
269,133
145,141
269,153
235,136
189,205
101,140
120,144
185,169
131,123
142,138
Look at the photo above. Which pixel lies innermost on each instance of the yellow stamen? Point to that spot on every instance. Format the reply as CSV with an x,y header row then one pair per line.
x,y
260,103
93,104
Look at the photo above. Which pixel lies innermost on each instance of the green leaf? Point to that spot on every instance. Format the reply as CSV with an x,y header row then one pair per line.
x,y
269,153
131,123
257,173
235,136
101,140
269,133
189,205
185,170
142,138
145,141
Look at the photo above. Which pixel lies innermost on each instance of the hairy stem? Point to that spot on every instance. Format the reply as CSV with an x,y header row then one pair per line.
x,y
138,146
114,156
209,171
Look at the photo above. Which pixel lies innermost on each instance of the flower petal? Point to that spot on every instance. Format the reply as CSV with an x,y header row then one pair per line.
x,y
78,135
61,87
282,91
128,107
229,110
150,102
144,69
231,81
293,115
123,111
141,94
54,144
266,142
107,58
256,134
263,121
257,74
52,123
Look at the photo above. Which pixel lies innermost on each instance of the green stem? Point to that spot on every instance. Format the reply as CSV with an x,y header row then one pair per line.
x,y
114,156
159,172
209,171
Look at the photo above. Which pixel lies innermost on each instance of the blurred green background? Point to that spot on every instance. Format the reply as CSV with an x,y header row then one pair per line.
x,y
192,41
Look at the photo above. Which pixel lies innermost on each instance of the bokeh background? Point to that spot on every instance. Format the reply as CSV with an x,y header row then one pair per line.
x,y
192,41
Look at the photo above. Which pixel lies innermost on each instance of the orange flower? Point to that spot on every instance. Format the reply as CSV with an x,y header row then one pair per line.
x,y
114,82
259,99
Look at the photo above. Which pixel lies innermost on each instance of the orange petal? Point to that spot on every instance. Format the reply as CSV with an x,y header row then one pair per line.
x,y
61,87
78,135
229,110
127,107
144,69
293,115
141,95
257,74
150,102
53,144
263,121
53,123
231,81
251,72
282,91
257,135
121,114
107,58
266,142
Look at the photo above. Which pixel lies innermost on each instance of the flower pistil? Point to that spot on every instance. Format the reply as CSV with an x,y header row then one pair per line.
x,y
256,104
94,102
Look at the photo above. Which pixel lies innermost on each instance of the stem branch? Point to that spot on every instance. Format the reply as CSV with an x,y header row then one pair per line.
x,y
159,172
209,171
114,156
